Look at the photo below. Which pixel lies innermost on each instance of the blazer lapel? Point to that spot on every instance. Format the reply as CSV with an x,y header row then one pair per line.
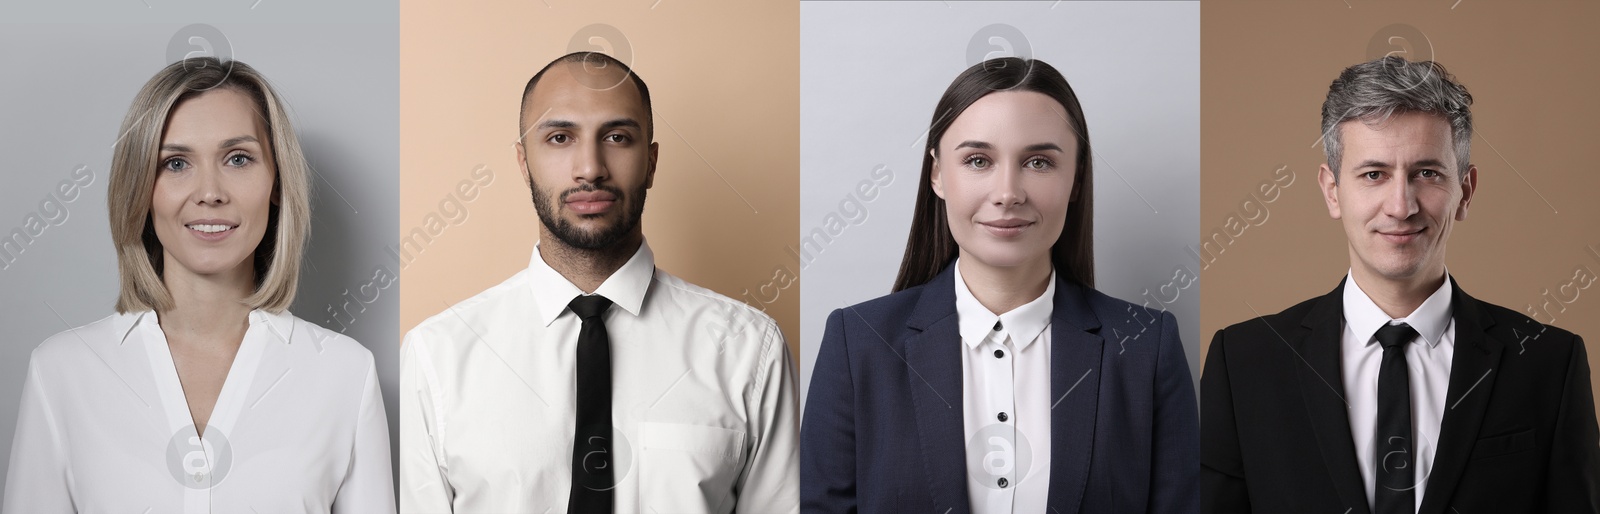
x,y
933,354
1322,388
1075,348
1471,382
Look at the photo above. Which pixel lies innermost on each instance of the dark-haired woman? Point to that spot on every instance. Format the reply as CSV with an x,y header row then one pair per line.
x,y
995,378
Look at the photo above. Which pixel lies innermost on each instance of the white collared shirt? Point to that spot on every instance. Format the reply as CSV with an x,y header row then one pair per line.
x,y
104,425
703,399
1427,366
1005,369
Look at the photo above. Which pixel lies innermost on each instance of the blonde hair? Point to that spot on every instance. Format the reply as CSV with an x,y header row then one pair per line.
x,y
133,177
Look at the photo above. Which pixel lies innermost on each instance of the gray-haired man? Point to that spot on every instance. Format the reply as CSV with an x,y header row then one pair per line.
x,y
1397,392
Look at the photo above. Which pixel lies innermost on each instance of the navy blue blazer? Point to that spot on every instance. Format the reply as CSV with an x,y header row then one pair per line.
x,y
882,430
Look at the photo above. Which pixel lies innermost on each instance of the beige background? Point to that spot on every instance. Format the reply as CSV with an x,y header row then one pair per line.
x,y
1531,70
724,83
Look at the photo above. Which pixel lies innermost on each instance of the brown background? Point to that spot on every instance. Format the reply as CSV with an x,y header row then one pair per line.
x,y
1531,69
724,83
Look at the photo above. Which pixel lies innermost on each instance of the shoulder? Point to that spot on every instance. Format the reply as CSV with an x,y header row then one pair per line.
x,y
1515,328
683,299
72,345
885,314
1271,326
458,319
330,346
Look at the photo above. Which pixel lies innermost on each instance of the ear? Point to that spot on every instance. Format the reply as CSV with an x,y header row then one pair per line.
x,y
522,163
1329,181
933,174
1469,186
276,198
650,173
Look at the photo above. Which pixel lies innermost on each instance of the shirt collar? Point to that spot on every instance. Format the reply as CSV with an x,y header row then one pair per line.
x,y
280,325
1023,323
625,288
1365,318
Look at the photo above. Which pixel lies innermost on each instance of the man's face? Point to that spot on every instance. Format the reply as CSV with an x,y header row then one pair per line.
x,y
586,156
1398,192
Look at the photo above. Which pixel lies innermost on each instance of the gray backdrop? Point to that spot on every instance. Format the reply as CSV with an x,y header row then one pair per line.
x,y
871,72
68,82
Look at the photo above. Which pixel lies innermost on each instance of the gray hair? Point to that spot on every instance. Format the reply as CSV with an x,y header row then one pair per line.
x,y
1375,90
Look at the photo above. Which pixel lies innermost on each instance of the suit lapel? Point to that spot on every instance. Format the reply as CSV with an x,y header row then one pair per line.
x,y
1471,381
933,353
1075,348
1322,387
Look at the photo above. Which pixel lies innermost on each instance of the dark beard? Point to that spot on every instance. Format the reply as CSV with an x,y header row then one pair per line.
x,y
584,240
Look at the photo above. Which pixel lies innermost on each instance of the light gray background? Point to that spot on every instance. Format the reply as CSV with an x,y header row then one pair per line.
x,y
871,72
64,91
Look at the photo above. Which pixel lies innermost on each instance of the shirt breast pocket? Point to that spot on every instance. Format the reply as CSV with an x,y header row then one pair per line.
x,y
688,468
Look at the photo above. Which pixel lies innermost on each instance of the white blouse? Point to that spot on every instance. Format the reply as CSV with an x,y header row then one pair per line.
x,y
104,425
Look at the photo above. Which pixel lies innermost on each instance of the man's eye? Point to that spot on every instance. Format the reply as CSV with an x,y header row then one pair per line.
x,y
1428,173
559,139
617,138
1372,175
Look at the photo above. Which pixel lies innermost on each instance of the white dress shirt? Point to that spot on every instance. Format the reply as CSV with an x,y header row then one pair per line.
x,y
1005,372
104,425
703,399
1427,366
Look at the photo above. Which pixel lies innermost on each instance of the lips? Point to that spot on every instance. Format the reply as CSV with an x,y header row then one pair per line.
x,y
211,229
590,202
1008,227
1401,236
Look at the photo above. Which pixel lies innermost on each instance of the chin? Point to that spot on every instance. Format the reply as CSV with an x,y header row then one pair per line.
x,y
1007,257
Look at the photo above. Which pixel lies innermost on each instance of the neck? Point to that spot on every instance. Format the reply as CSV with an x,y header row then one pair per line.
x,y
1002,289
587,268
207,308
1398,297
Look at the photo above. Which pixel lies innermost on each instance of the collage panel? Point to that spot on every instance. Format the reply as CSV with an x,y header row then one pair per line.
x,y
947,176
184,177
1434,152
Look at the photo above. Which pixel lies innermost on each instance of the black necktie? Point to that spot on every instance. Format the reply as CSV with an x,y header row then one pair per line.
x,y
1396,478
592,471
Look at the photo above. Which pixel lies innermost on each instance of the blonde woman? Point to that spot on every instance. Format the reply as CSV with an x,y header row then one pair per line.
x,y
202,393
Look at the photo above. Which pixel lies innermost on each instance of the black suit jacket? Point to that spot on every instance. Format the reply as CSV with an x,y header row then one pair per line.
x,y
1518,434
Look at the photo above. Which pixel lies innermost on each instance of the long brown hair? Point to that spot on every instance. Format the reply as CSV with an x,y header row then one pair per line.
x,y
930,247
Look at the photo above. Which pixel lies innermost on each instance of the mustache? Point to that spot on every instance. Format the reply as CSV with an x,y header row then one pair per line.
x,y
590,188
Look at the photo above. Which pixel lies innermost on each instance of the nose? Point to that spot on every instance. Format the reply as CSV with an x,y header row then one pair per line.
x,y
209,185
590,165
1401,200
1008,190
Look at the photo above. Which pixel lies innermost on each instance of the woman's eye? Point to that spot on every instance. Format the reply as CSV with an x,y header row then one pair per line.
x,y
174,164
977,163
239,160
1037,164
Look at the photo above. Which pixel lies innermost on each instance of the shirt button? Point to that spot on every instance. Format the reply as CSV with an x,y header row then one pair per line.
x,y
999,353
997,326
1003,416
1003,482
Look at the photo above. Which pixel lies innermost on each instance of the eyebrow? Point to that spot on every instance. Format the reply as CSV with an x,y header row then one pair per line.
x,y
225,143
1424,163
1036,147
564,124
